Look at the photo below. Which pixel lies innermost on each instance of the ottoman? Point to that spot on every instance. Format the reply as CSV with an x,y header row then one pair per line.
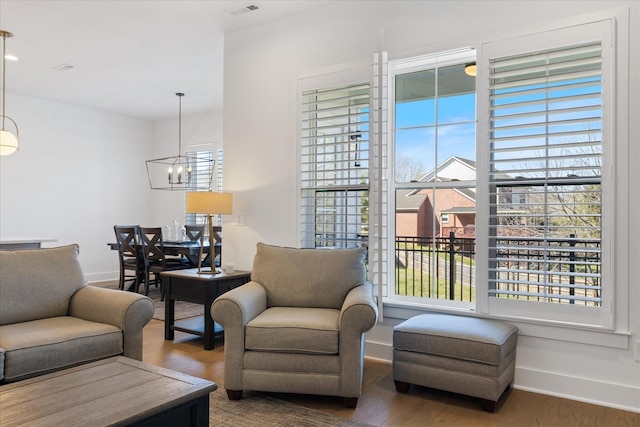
x,y
465,355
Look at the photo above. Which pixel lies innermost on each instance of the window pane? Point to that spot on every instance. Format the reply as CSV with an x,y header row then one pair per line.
x,y
340,218
460,141
456,95
415,113
415,153
421,143
435,243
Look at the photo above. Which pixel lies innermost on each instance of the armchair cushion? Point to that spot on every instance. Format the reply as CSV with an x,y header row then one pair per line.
x,y
319,278
46,345
294,330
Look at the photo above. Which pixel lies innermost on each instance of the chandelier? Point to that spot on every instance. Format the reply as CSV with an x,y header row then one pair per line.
x,y
181,172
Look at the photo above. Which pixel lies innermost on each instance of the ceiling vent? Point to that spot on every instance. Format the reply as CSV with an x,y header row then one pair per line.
x,y
244,9
63,67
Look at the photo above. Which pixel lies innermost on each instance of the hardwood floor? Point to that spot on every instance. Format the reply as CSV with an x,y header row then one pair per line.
x,y
381,405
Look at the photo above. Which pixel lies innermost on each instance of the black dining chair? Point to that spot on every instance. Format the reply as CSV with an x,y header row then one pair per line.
x,y
155,260
131,262
194,232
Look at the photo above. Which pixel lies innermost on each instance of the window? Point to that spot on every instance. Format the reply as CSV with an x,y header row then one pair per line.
x,y
434,156
202,178
493,194
537,187
545,180
335,166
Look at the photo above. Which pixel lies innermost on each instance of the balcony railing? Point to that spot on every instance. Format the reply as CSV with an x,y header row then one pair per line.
x,y
445,267
441,267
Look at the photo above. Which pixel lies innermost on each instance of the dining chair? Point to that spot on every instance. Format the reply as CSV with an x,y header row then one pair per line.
x,y
194,232
131,262
155,260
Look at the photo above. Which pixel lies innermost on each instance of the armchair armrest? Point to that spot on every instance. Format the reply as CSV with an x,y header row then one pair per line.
x,y
359,311
359,314
125,310
233,310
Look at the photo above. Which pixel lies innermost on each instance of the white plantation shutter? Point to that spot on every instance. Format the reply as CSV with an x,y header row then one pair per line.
x,y
334,166
547,145
202,178
379,198
342,163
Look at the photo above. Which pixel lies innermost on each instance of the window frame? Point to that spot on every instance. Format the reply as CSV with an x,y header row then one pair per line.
x,y
401,67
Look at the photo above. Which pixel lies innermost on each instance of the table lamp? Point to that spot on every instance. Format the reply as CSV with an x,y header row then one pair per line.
x,y
209,203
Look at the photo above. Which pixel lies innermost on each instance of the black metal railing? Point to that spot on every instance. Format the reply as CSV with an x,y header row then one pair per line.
x,y
441,267
566,270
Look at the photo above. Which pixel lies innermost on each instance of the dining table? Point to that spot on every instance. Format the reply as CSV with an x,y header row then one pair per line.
x,y
187,248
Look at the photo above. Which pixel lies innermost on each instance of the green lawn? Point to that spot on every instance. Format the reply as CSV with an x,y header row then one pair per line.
x,y
411,282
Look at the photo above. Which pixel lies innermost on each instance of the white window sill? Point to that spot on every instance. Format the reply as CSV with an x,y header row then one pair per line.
x,y
526,327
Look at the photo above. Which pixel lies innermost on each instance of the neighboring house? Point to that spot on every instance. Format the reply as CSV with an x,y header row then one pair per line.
x,y
435,213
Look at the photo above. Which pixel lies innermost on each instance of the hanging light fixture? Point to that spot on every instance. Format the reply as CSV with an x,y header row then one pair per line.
x,y
8,141
180,172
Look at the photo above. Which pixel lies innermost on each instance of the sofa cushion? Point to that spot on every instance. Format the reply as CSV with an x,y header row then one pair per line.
x,y
459,337
44,345
38,283
318,278
294,330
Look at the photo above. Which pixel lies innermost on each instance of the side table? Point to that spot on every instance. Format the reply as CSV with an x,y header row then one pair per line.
x,y
188,285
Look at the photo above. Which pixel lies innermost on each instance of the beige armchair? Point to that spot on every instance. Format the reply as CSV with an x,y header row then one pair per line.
x,y
298,326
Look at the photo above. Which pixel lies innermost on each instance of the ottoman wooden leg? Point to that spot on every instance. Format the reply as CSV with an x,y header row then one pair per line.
x,y
401,386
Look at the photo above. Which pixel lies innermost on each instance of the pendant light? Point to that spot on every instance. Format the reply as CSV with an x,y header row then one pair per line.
x,y
178,173
8,140
470,69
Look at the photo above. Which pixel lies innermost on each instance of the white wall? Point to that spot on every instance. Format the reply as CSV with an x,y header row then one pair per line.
x,y
262,67
77,173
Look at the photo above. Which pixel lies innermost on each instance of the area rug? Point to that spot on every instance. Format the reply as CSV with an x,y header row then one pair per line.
x,y
257,409
183,309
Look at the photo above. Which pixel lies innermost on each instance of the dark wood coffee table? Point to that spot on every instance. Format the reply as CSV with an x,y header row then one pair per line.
x,y
188,285
111,392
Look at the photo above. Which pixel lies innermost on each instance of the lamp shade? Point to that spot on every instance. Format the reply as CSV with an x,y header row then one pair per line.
x,y
209,202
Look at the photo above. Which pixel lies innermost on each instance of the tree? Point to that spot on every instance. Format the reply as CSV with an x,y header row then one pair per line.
x,y
408,169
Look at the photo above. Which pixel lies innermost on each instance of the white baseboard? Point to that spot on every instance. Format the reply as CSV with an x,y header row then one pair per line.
x,y
101,277
588,390
618,396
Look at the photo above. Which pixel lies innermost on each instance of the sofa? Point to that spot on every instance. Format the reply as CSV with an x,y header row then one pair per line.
x,y
50,319
298,326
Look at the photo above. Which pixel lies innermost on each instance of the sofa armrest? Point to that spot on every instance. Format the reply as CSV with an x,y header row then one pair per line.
x,y
233,310
125,310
